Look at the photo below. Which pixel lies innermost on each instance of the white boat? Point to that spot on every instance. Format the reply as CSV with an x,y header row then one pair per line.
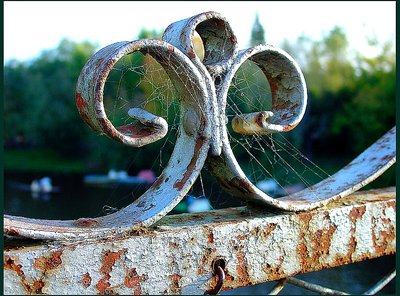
x,y
42,185
272,188
116,177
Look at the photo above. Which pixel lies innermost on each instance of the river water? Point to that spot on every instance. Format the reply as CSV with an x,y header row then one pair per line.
x,y
75,199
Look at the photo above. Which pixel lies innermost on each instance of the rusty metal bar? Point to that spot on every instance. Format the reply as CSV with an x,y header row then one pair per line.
x,y
178,253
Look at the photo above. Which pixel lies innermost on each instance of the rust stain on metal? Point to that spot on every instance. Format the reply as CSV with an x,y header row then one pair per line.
x,y
157,183
220,23
206,260
81,103
271,227
273,86
318,245
136,131
107,128
289,127
197,217
242,266
302,250
103,284
109,259
175,283
11,232
240,184
210,237
256,231
192,54
35,287
381,240
356,213
260,119
189,170
392,204
86,280
322,241
282,105
305,219
241,237
274,272
321,244
351,247
10,264
137,231
133,280
389,205
86,222
52,261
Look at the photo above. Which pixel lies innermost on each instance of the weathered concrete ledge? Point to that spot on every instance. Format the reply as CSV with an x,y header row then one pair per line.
x,y
176,255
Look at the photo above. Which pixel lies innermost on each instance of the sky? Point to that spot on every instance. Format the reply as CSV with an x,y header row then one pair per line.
x,y
32,26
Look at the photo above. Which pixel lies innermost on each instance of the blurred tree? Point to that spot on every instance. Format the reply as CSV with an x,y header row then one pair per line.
x,y
147,33
257,33
370,110
14,97
43,92
348,99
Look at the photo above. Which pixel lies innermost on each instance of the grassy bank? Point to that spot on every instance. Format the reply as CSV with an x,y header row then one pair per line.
x,y
40,160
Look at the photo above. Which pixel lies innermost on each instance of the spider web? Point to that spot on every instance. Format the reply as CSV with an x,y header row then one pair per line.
x,y
139,81
271,157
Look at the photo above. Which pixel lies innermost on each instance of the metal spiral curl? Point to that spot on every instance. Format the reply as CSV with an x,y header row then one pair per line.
x,y
203,136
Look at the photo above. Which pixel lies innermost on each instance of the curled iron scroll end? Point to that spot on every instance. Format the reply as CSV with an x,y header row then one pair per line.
x,y
89,97
252,123
152,127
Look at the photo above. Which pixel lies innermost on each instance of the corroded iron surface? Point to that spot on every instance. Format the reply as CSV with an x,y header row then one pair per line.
x,y
202,85
177,255
363,169
184,165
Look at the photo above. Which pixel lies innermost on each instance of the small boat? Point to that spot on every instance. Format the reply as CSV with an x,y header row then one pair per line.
x,y
118,177
272,188
197,204
39,186
193,204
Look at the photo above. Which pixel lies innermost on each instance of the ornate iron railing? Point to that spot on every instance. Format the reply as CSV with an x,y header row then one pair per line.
x,y
250,257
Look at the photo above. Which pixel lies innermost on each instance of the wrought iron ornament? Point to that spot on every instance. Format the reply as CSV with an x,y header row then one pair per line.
x,y
202,86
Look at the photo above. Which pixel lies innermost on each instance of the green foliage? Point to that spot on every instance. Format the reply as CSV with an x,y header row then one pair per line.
x,y
39,98
147,33
40,160
351,101
371,109
349,97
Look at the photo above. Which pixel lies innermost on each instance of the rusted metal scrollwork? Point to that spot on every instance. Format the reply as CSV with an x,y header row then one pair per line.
x,y
202,87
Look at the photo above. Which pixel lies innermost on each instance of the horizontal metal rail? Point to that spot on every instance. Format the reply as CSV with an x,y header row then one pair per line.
x,y
178,255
